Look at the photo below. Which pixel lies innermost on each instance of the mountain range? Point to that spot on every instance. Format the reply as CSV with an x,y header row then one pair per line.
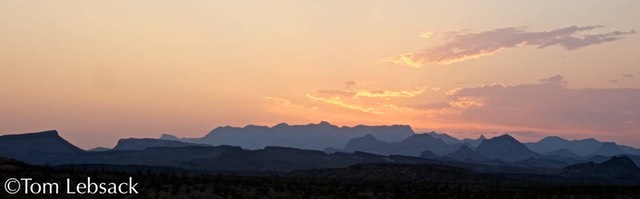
x,y
397,140
584,147
144,143
501,154
311,136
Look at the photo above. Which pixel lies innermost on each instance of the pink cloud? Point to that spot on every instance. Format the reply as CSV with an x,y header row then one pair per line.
x,y
460,46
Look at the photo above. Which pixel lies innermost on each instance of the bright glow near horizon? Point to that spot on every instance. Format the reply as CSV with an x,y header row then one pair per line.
x,y
98,71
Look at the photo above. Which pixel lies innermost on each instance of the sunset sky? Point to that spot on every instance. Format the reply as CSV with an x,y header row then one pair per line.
x,y
97,71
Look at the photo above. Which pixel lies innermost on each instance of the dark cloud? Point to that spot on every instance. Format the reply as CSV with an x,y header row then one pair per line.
x,y
627,75
558,79
460,46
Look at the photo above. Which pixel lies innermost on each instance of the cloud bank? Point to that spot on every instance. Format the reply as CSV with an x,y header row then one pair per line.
x,y
548,105
461,45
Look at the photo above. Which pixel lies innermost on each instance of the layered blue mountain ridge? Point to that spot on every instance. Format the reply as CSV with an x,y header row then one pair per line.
x,y
224,148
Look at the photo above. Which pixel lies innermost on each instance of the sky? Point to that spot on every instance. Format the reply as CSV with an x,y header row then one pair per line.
x,y
98,71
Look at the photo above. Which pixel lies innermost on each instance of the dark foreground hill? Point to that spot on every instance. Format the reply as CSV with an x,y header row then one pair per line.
x,y
38,148
358,181
434,173
619,169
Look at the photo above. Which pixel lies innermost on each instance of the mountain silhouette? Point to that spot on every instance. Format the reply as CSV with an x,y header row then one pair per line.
x,y
608,149
582,148
311,136
564,153
505,148
144,143
616,167
466,154
629,150
473,142
411,146
418,143
98,149
49,148
552,143
429,155
367,143
39,148
444,137
168,137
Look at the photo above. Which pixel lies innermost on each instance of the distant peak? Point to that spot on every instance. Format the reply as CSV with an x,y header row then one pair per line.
x,y
324,124
552,138
464,147
424,135
99,149
482,137
420,138
48,133
505,137
220,127
281,125
620,160
168,137
590,140
45,140
368,136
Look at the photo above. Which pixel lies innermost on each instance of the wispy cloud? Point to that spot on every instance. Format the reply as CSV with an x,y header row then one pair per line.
x,y
387,94
462,45
369,93
339,102
368,101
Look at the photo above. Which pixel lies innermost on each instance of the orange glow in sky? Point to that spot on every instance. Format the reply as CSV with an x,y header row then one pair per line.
x,y
98,71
